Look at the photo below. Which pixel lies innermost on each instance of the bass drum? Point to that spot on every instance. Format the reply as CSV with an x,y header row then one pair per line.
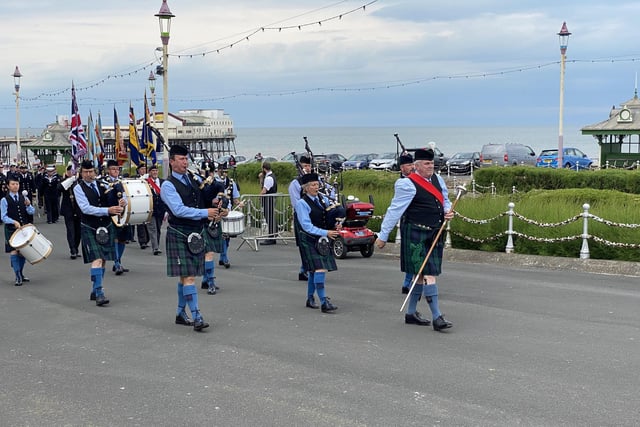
x,y
139,203
31,244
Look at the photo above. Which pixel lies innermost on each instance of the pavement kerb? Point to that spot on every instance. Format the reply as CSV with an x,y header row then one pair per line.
x,y
595,266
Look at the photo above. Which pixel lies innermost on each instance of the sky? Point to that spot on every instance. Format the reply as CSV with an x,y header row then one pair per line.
x,y
395,63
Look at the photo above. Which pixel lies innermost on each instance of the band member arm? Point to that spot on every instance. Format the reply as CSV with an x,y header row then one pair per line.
x,y
172,199
86,207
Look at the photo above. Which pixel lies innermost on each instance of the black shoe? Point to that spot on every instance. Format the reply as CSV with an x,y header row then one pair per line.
x,y
416,319
157,252
25,279
405,290
119,270
183,319
327,307
125,270
311,302
92,297
18,281
204,285
101,300
212,290
303,276
144,246
441,323
220,262
227,264
73,256
267,242
199,325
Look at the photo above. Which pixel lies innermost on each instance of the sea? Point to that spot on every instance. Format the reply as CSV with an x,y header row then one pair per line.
x,y
276,142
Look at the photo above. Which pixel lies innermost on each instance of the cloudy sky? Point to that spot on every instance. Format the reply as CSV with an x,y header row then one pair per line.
x,y
397,63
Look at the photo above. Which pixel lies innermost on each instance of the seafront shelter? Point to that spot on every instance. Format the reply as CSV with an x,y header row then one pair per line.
x,y
619,135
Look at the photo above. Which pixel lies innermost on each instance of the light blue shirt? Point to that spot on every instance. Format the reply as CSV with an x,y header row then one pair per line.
x,y
294,192
4,206
404,191
83,203
172,199
302,212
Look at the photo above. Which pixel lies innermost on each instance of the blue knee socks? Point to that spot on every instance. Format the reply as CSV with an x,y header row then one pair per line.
x,y
413,299
311,286
431,294
209,267
15,264
318,280
96,278
21,261
119,252
181,301
408,278
191,297
225,248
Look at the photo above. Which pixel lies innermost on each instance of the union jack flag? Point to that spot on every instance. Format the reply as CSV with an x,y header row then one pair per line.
x,y
76,136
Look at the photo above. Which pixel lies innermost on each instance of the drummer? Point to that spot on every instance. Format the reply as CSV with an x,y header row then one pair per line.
x,y
97,229
16,212
124,234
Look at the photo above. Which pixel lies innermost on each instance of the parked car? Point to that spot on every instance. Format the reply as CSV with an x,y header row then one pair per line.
x,y
461,163
225,159
507,155
385,161
572,158
270,159
323,161
358,161
292,157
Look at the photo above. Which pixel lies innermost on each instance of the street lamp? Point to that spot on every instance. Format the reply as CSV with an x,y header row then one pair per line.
x,y
564,40
164,16
16,84
152,86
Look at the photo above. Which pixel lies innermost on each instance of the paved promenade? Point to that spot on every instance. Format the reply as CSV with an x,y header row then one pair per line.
x,y
535,342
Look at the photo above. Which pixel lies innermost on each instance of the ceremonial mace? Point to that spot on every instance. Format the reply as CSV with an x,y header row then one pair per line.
x,y
461,191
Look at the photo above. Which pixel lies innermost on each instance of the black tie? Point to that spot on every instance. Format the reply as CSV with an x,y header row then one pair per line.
x,y
15,197
317,200
95,188
185,178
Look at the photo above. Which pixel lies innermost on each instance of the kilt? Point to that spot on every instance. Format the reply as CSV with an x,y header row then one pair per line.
x,y
181,262
124,233
311,259
212,244
91,249
415,243
9,229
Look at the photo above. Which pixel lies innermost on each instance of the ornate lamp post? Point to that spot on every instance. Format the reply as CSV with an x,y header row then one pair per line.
x,y
16,84
164,16
152,86
564,40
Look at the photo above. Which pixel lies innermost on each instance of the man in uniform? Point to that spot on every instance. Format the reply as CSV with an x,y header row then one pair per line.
x,y
16,211
26,182
50,193
233,195
405,163
184,242
69,210
97,229
159,209
269,186
125,233
422,200
295,193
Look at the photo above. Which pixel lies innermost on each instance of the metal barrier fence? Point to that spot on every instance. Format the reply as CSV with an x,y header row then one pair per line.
x,y
266,217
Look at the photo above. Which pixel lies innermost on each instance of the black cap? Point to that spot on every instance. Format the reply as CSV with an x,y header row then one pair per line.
x,y
112,162
310,177
152,167
305,159
406,159
87,164
179,150
422,154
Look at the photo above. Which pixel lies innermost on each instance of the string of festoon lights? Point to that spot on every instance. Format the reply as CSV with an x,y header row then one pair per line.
x,y
145,66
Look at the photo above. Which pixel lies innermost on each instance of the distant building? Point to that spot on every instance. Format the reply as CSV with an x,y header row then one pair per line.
x,y
619,135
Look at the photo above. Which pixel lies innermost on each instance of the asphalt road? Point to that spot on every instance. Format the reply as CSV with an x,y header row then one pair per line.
x,y
529,346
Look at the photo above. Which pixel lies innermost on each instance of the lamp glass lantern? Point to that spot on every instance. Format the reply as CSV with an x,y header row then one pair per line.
x,y
16,79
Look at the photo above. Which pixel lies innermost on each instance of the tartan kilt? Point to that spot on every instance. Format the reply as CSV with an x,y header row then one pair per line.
x,y
91,249
213,244
311,259
9,229
415,243
181,262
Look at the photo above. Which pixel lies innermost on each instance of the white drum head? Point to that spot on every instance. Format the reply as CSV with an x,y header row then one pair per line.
x,y
22,235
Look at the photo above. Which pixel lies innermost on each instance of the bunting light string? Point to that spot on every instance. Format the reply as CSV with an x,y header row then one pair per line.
x,y
272,28
90,85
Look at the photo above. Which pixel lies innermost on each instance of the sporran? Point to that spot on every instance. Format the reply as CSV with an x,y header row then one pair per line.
x,y
195,243
102,235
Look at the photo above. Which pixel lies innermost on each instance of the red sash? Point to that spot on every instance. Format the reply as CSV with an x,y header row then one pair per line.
x,y
427,185
153,185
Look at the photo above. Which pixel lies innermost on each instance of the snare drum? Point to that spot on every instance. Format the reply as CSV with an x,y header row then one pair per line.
x,y
233,224
139,203
31,243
